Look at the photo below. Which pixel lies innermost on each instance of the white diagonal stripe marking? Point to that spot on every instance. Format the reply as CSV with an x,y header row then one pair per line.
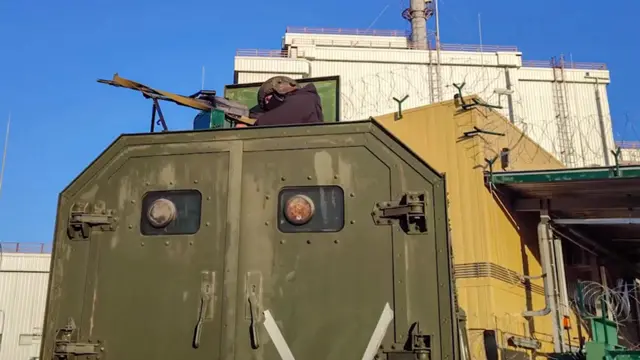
x,y
378,333
276,337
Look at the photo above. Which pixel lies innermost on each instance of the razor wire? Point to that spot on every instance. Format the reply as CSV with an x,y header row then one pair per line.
x,y
532,113
619,301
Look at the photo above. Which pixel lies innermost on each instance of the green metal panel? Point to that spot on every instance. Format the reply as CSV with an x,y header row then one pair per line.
x,y
144,289
515,177
595,351
604,331
141,296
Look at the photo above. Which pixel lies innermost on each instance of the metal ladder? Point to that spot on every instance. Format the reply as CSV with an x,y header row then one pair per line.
x,y
565,139
435,84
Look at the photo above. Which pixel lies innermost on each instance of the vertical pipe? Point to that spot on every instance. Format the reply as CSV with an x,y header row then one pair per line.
x,y
562,296
558,335
546,258
562,280
418,24
545,263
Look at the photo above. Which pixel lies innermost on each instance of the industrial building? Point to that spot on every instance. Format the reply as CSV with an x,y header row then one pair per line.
x,y
561,104
24,276
525,231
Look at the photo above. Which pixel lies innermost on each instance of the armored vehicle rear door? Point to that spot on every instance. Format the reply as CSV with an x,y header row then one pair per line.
x,y
324,286
139,274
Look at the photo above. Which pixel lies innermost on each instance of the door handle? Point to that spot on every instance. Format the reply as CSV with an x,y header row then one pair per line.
x,y
253,305
207,286
198,331
253,292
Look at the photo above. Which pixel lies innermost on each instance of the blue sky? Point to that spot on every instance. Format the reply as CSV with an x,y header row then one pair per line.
x,y
53,51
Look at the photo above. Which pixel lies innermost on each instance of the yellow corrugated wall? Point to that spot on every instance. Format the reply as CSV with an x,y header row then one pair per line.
x,y
482,230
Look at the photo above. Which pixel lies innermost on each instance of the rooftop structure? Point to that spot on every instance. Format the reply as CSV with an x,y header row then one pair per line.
x,y
629,152
561,104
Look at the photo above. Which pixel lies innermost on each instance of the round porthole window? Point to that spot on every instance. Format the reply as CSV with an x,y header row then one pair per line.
x,y
161,213
299,209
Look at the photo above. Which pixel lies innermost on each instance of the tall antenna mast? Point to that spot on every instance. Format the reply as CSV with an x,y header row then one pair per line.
x,y
4,153
482,69
202,78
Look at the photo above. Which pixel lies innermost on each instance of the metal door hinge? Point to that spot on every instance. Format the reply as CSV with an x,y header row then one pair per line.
x,y
410,212
67,346
66,349
418,346
86,217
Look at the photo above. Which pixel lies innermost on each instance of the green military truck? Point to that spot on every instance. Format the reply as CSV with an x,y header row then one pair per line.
x,y
297,242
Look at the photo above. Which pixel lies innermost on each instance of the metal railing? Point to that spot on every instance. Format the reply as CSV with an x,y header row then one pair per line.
x,y
399,33
624,144
262,53
567,65
376,45
346,43
340,31
25,247
476,48
468,47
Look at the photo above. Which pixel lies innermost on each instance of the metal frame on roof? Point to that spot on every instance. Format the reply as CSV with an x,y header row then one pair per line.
x,y
557,175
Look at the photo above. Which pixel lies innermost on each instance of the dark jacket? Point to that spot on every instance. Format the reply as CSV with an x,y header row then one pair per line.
x,y
302,106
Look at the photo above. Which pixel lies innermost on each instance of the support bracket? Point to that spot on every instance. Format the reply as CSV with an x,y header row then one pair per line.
x,y
475,102
476,130
398,115
616,157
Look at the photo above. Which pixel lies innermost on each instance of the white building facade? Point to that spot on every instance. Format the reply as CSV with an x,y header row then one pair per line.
x,y
629,152
24,276
561,105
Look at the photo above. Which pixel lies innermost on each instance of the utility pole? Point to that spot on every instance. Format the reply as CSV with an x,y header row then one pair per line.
x,y
603,136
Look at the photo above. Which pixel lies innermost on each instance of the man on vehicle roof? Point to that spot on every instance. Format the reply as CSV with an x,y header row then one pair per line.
x,y
284,102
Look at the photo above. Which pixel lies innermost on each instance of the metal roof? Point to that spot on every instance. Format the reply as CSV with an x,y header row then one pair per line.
x,y
599,206
566,175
